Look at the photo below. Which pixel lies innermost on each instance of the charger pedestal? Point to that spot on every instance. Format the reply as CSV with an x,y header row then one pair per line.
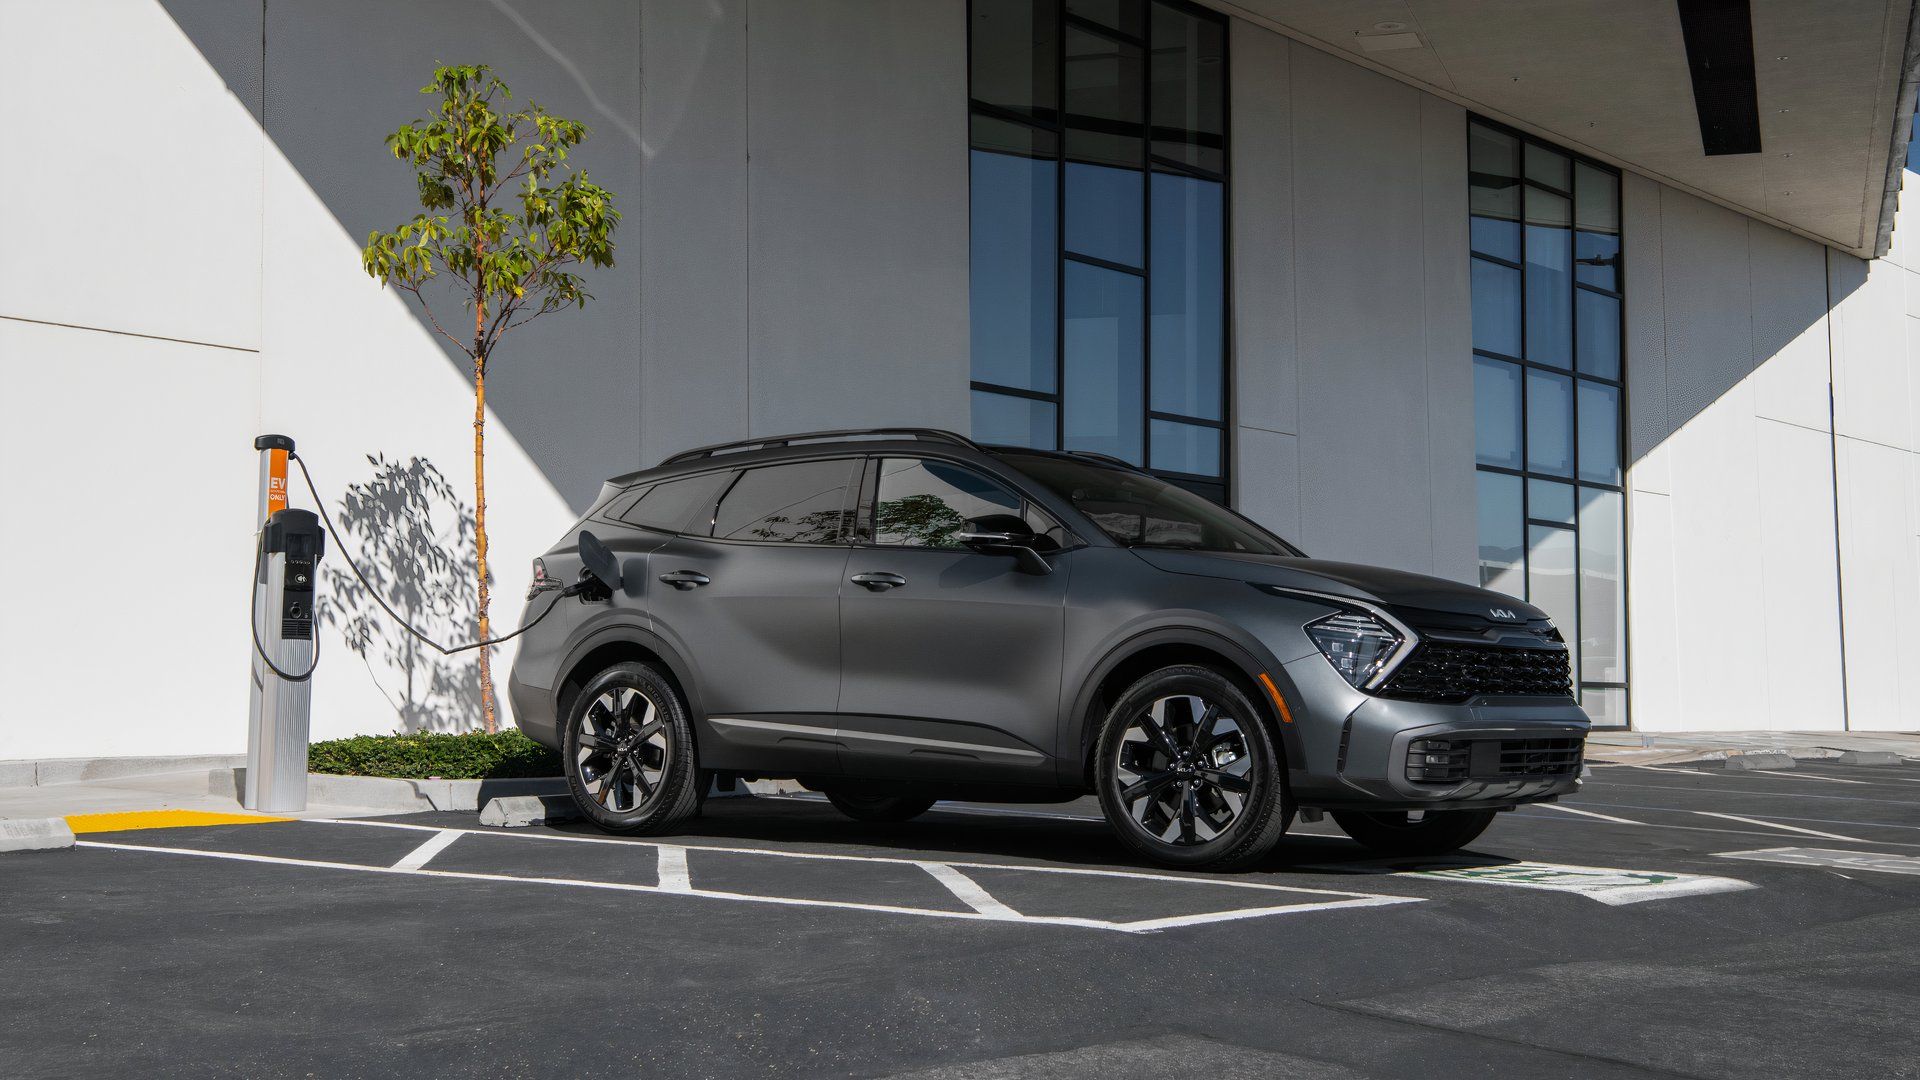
x,y
278,712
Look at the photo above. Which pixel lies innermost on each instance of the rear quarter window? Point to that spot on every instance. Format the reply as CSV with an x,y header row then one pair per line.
x,y
678,505
804,502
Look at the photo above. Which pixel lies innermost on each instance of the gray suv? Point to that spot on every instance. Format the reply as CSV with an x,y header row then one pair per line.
x,y
897,616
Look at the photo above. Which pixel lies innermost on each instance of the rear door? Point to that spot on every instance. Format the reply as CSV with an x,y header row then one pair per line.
x,y
749,595
953,672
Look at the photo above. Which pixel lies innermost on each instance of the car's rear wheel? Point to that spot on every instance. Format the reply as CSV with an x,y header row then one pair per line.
x,y
1188,772
862,807
629,752
1416,832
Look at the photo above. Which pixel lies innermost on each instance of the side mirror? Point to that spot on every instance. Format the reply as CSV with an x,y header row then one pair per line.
x,y
1004,534
598,561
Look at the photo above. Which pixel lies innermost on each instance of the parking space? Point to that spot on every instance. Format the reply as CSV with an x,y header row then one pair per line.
x,y
1666,921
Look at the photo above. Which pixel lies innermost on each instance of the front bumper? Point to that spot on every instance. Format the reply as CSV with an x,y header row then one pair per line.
x,y
1360,747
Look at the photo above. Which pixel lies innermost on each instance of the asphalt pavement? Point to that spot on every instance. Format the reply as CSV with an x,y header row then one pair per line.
x,y
1667,921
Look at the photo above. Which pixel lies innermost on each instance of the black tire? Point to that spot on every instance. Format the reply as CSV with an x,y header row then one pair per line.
x,y
878,807
1172,797
629,726
1395,832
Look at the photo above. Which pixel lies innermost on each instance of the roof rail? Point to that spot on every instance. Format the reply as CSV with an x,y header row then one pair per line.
x,y
770,441
1107,458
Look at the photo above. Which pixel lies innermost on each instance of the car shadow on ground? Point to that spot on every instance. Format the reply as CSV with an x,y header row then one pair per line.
x,y
1049,835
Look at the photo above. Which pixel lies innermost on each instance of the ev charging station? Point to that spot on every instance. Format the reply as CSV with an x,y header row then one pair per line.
x,y
285,649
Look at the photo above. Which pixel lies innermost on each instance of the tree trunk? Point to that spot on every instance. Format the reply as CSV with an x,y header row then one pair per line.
x,y
487,718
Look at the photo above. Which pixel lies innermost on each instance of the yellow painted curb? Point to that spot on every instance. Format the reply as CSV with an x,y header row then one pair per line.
x,y
160,819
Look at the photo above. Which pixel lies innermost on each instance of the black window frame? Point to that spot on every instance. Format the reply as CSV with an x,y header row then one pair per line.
x,y
1573,373
1057,122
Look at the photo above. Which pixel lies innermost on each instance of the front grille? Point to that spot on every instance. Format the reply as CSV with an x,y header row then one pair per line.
x,y
1452,671
1440,761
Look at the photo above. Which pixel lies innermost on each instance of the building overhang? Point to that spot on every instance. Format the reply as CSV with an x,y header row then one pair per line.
x,y
1819,129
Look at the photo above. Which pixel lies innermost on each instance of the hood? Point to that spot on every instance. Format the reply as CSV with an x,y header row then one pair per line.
x,y
1398,589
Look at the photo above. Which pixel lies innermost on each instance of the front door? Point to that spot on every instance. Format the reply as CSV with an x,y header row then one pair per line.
x,y
750,597
951,658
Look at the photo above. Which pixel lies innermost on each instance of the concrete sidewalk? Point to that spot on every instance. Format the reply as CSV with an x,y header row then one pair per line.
x,y
1674,747
175,790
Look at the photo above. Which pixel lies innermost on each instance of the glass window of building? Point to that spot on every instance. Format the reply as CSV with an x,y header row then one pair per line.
x,y
1099,165
1548,388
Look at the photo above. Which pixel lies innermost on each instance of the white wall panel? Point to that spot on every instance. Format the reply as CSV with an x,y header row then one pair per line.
x,y
132,180
858,214
1266,386
1788,279
1268,482
1732,477
693,226
1718,581
1798,584
1364,449
127,481
1452,489
1872,385
1880,550
1656,655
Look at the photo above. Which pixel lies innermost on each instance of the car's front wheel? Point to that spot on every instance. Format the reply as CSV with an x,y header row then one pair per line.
x,y
1417,832
629,752
1189,775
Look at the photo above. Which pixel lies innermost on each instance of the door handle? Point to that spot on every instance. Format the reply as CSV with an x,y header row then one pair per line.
x,y
878,581
685,579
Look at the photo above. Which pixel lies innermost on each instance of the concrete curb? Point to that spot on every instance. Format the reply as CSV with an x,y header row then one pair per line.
x,y
400,796
1869,757
1766,760
34,834
35,773
520,811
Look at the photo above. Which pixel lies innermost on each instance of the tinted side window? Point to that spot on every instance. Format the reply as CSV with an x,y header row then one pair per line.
x,y
671,505
923,503
801,503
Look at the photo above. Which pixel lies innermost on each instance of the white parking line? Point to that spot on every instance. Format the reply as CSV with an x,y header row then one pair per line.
x,y
674,881
1777,825
968,890
1588,814
1607,885
1029,868
1801,776
673,869
1828,858
424,854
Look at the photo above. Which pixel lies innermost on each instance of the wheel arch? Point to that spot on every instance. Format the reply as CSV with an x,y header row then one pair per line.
x,y
619,643
1128,661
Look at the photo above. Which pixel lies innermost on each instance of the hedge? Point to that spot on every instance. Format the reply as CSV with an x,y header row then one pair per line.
x,y
471,756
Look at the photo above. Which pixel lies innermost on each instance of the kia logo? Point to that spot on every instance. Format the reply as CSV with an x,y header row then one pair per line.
x,y
1503,613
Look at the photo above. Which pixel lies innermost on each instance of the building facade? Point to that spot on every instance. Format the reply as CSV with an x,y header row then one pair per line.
x,y
1459,292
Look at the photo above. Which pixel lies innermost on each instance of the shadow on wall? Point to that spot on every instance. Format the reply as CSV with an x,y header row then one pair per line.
x,y
1722,299
328,82
415,541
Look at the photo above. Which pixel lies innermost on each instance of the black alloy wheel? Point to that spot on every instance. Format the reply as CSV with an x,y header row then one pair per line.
x,y
629,752
1189,771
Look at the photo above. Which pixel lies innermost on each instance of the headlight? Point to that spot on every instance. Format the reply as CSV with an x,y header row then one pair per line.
x,y
1357,645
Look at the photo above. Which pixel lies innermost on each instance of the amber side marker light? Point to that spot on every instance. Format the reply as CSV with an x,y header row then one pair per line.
x,y
1286,714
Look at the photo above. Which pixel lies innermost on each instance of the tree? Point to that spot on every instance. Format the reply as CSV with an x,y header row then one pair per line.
x,y
498,223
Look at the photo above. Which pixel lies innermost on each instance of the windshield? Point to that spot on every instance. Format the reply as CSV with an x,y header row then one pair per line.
x,y
1138,510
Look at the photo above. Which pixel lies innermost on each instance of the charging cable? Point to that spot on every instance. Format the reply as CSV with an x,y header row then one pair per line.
x,y
444,650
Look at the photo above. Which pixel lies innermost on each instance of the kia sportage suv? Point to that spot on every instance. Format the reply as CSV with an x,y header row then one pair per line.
x,y
898,616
